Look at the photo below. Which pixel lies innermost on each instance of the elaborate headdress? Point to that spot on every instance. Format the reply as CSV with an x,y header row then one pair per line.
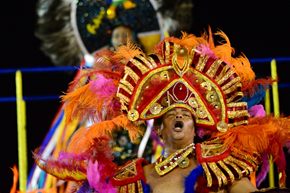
x,y
192,73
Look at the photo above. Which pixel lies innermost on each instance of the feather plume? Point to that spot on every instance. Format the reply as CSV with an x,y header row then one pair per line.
x,y
90,100
264,135
251,88
257,111
69,168
263,170
15,179
84,138
94,178
126,52
72,166
101,166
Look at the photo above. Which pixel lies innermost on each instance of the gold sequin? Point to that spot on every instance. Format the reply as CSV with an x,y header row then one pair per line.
x,y
222,126
133,115
206,85
155,108
192,102
211,96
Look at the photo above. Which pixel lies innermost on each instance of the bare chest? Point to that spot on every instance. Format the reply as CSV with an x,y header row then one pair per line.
x,y
172,182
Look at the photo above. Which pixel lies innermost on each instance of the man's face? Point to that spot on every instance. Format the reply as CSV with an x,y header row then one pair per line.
x,y
120,35
178,127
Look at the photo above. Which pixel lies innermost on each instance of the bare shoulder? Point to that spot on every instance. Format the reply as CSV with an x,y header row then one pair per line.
x,y
148,170
242,186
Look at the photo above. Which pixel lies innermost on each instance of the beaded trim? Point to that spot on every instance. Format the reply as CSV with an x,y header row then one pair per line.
x,y
179,158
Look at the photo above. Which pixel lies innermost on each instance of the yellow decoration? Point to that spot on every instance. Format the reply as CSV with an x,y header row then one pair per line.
x,y
149,40
21,128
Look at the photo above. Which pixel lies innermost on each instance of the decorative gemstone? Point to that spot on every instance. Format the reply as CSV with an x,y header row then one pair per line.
x,y
211,96
192,102
222,126
201,113
133,115
155,108
184,163
206,85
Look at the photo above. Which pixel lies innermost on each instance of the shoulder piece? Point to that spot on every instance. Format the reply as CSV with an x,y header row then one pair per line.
x,y
130,174
223,165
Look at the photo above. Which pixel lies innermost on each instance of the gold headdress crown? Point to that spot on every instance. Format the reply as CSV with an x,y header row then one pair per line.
x,y
190,73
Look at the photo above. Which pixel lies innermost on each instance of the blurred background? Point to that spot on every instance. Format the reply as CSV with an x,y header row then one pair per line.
x,y
261,31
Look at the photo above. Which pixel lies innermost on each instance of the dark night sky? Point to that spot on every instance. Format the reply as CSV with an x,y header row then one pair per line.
x,y
257,30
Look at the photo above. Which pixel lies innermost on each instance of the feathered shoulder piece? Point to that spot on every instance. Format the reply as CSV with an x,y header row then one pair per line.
x,y
263,136
238,152
223,164
95,165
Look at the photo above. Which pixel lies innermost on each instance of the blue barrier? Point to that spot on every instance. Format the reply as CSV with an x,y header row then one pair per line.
x,y
39,69
74,68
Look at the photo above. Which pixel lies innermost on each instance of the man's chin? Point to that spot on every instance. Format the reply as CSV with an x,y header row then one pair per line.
x,y
178,136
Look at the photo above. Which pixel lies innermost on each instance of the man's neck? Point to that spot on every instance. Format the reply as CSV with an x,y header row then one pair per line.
x,y
173,147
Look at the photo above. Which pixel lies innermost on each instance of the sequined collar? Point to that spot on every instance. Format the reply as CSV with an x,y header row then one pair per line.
x,y
179,158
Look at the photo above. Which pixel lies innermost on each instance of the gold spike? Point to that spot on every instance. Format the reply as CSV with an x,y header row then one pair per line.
x,y
230,173
225,77
167,52
228,162
229,84
238,113
237,104
153,63
146,61
222,73
234,96
222,179
233,88
125,88
140,66
213,68
139,185
245,166
123,98
123,189
127,84
243,122
201,63
207,174
132,74
131,188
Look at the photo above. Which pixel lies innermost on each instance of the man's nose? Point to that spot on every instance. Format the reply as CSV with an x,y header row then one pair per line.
x,y
179,116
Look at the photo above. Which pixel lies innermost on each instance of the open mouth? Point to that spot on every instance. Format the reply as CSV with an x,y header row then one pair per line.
x,y
178,125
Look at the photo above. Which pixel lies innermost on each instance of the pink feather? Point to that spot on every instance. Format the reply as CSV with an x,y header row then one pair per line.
x,y
257,111
264,170
103,87
94,178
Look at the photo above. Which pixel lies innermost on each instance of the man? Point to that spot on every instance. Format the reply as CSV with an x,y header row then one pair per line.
x,y
190,83
178,132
